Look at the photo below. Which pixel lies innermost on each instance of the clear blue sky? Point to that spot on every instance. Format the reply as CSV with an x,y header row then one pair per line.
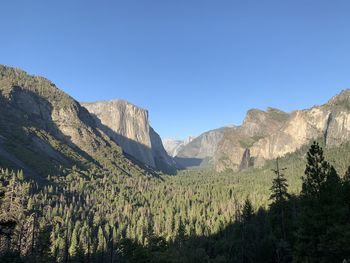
x,y
194,64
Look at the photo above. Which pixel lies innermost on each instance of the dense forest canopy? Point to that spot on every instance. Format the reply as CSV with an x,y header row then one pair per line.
x,y
272,214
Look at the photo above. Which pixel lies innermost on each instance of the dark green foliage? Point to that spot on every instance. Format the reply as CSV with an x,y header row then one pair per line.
x,y
324,215
316,171
279,193
197,216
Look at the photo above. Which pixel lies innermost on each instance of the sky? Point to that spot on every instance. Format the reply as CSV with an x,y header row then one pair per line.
x,y
195,65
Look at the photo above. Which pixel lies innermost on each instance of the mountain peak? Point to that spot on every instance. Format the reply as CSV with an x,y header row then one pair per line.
x,y
341,99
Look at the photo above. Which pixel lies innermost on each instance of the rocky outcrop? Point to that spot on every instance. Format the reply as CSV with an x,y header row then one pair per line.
x,y
174,146
273,134
200,150
258,123
233,151
162,160
46,130
128,125
330,122
268,134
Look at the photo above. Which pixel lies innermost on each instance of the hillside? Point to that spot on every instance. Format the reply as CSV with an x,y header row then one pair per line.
x,y
266,135
128,126
190,217
45,131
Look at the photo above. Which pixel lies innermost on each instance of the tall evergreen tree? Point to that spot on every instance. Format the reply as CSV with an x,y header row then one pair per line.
x,y
74,245
316,171
247,212
322,215
279,193
279,210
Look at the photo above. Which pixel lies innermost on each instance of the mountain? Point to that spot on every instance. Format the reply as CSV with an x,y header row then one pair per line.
x,y
174,146
329,122
44,131
233,151
128,126
200,150
265,135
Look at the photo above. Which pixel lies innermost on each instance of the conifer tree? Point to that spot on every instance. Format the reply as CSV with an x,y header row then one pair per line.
x,y
247,212
279,214
316,171
279,193
322,213
101,244
74,246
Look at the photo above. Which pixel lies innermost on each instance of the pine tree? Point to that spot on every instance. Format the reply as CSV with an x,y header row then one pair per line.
x,y
181,234
322,214
74,246
247,212
279,193
279,214
316,171
101,244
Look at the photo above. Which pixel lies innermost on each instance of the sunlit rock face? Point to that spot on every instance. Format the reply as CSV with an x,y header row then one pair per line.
x,y
173,147
48,131
128,125
269,134
199,151
274,135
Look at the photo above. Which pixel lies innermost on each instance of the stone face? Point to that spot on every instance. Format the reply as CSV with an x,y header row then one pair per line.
x,y
162,160
128,125
278,134
258,123
272,133
233,151
200,150
174,146
44,130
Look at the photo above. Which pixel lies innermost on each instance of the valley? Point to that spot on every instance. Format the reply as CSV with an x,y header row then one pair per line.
x,y
92,182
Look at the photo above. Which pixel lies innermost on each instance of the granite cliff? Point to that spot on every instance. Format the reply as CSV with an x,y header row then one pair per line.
x,y
174,146
268,134
128,126
44,131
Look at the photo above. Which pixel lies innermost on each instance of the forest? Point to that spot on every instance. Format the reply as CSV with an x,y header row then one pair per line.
x,y
294,209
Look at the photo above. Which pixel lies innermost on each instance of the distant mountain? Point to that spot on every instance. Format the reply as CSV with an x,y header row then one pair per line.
x,y
44,131
329,122
200,150
174,146
265,135
233,151
128,126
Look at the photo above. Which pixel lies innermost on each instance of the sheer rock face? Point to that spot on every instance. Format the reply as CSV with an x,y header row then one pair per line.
x,y
233,151
272,133
278,134
128,125
162,160
258,123
200,150
172,146
45,130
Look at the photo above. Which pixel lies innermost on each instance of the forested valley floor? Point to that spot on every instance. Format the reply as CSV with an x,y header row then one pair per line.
x,y
296,211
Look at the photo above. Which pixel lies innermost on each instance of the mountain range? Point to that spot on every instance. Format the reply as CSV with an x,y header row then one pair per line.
x,y
265,135
45,131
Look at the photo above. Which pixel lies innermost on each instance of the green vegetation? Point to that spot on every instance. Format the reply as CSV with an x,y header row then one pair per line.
x,y
198,215
44,131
